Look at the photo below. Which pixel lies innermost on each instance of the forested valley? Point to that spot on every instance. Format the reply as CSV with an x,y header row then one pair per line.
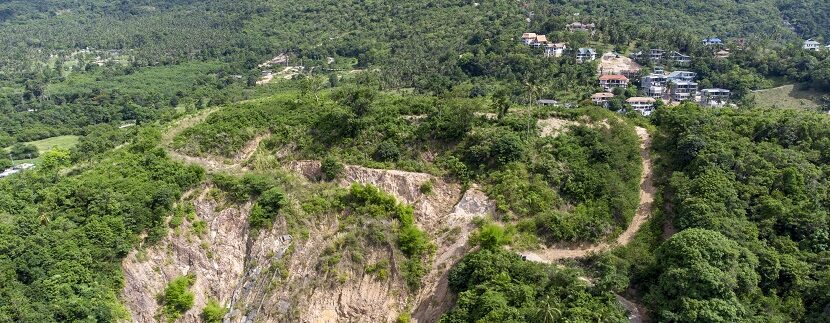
x,y
417,161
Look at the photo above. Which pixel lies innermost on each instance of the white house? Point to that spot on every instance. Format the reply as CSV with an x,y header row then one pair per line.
x,y
682,76
541,40
578,26
555,50
586,54
609,82
712,41
714,97
680,59
683,90
656,54
528,38
641,104
654,85
811,44
601,98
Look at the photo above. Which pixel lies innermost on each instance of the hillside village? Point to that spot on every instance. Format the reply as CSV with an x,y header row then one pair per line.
x,y
666,82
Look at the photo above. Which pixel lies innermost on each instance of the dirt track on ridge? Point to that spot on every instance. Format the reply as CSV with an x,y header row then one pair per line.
x,y
647,192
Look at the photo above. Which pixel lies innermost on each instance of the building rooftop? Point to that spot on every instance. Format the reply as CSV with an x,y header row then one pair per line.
x,y
640,99
613,77
602,95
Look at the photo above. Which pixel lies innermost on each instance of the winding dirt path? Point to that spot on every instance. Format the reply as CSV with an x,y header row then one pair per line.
x,y
647,192
212,164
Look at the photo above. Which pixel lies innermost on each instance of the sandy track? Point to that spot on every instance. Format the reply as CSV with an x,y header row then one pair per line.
x,y
647,192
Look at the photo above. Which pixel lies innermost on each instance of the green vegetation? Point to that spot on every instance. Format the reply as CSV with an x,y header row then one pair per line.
x,y
435,86
495,285
177,297
213,312
369,201
788,96
64,236
748,191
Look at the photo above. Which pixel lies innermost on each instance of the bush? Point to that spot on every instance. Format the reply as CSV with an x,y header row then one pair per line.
x,y
426,187
177,297
387,151
491,236
24,151
331,168
213,312
266,209
5,163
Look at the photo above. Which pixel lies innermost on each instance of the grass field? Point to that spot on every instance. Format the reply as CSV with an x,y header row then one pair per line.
x,y
48,144
787,96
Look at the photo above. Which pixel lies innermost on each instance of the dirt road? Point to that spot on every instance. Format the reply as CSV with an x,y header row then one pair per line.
x,y
647,192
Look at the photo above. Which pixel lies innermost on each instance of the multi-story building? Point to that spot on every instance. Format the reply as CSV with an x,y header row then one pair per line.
x,y
555,50
714,97
586,54
654,85
641,104
601,98
812,45
609,82
683,90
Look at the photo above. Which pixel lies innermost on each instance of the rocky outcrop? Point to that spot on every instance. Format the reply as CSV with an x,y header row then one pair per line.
x,y
274,277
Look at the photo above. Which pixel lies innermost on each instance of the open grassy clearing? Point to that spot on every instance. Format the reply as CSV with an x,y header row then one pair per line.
x,y
787,96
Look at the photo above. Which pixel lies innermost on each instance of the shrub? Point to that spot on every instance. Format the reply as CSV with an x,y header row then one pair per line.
x,y
213,312
5,163
177,297
387,151
267,208
331,168
426,187
24,151
491,236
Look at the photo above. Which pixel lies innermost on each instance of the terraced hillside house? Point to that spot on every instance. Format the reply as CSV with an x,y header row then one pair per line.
x,y
609,82
528,38
683,90
586,55
602,98
555,49
811,44
722,54
682,76
643,105
656,54
713,41
654,85
578,26
680,59
714,97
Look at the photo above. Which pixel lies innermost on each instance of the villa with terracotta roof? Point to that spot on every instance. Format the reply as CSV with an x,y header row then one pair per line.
x,y
609,82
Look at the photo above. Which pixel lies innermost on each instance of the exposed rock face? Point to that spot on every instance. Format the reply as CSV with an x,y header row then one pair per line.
x,y
274,278
217,258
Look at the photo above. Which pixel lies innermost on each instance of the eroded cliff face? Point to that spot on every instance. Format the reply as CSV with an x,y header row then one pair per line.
x,y
275,277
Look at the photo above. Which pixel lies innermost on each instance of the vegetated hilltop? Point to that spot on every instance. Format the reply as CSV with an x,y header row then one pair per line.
x,y
247,210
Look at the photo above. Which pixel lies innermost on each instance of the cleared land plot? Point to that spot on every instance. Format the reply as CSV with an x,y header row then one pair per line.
x,y
48,144
787,96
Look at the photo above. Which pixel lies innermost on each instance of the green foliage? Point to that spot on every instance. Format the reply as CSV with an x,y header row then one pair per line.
x,y
369,208
177,297
23,151
490,236
213,312
497,285
331,168
757,178
266,208
5,163
73,230
703,276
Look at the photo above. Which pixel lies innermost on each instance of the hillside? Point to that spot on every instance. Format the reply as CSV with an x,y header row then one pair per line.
x,y
417,161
